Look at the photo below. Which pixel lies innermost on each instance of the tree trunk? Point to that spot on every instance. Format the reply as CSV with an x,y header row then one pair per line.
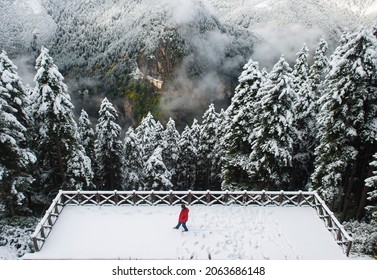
x,y
53,175
363,197
348,191
60,161
362,201
345,187
112,187
10,208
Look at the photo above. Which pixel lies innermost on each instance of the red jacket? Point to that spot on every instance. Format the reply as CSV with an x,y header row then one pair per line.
x,y
183,216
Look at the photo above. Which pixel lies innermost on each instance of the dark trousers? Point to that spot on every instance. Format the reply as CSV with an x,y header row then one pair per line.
x,y
183,225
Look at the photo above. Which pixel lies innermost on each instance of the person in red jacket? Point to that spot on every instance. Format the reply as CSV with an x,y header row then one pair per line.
x,y
183,218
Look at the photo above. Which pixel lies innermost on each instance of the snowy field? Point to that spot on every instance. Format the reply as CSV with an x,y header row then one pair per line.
x,y
215,232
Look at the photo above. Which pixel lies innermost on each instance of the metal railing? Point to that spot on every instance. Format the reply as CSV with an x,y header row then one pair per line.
x,y
225,198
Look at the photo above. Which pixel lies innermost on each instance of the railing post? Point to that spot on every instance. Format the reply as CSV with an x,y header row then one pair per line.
x,y
208,197
349,244
330,220
79,197
36,245
116,198
50,223
189,197
263,197
281,197
171,197
244,198
152,197
98,198
134,197
56,207
339,234
62,198
43,235
299,198
226,197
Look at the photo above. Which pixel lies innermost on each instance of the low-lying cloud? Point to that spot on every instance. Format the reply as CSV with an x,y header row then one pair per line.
x,y
288,40
213,59
184,11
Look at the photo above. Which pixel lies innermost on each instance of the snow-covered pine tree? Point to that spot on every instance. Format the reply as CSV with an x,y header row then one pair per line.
x,y
146,134
108,148
11,82
301,70
158,135
347,136
371,183
79,171
56,133
133,164
271,151
219,147
319,69
170,153
15,157
195,131
187,161
304,122
238,127
339,52
207,154
87,135
157,176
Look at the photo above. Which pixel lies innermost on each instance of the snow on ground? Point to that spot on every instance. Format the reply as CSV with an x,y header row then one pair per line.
x,y
215,232
7,253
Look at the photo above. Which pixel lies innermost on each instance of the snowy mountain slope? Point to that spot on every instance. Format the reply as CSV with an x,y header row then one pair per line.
x,y
137,29
284,25
26,19
310,12
179,41
24,23
197,47
131,24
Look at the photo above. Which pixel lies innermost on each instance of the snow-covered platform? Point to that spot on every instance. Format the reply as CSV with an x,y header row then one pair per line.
x,y
215,232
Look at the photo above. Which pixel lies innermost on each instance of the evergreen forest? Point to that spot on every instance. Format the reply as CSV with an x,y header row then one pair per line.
x,y
306,126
